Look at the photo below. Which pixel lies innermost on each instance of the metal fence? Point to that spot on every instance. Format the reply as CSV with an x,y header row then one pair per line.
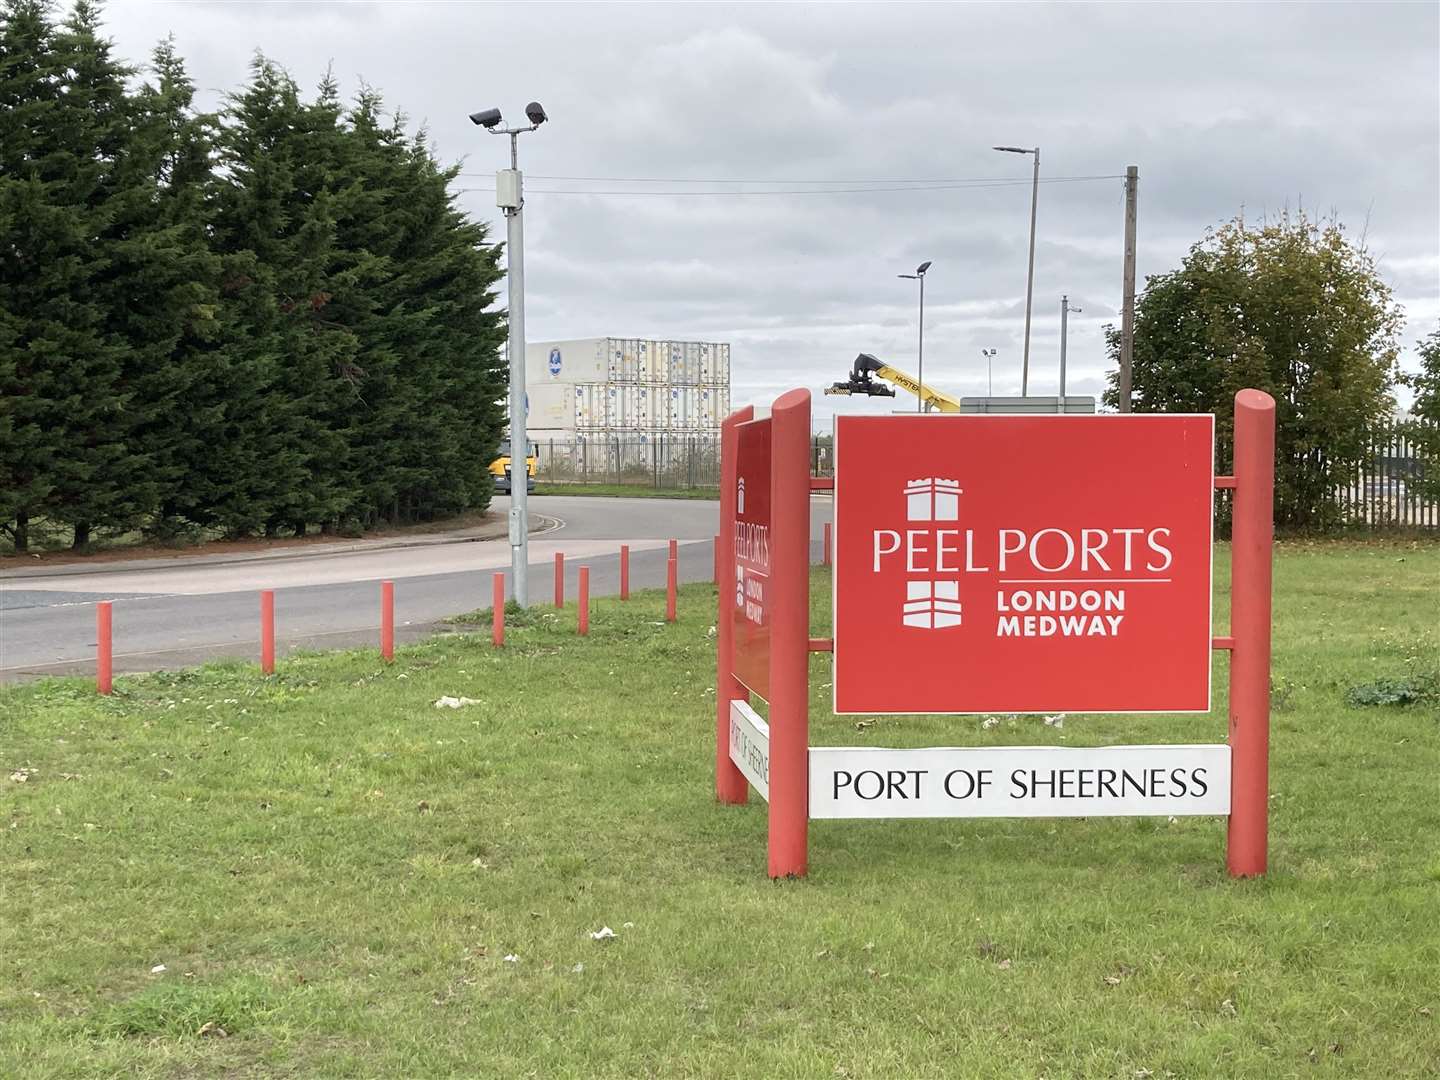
x,y
1397,485
1388,490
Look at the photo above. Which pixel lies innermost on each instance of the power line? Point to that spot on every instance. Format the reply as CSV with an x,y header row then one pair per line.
x,y
807,191
828,180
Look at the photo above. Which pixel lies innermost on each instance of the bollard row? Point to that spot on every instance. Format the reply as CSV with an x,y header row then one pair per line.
x,y
104,668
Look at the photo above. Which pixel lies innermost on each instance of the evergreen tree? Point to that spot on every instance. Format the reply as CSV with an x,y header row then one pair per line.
x,y
67,402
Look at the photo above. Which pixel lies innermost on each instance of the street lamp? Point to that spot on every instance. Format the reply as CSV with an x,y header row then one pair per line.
x,y
919,275
989,355
1065,309
1030,280
509,197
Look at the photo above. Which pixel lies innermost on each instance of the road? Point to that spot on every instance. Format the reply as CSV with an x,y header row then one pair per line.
x,y
179,611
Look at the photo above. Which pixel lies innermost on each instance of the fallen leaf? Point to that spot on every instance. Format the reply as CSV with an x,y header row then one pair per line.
x,y
511,958
1425,1013
1227,1008
1004,965
424,807
20,776
627,926
210,1029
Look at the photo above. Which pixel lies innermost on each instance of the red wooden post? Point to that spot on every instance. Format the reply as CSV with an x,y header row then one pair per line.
x,y
584,600
675,549
102,647
387,620
789,824
825,546
730,783
624,571
267,631
1252,537
497,610
672,580
559,579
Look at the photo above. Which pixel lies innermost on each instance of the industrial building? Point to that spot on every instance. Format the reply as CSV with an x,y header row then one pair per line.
x,y
626,407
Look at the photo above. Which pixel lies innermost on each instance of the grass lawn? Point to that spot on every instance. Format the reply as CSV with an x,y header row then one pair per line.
x,y
338,874
627,491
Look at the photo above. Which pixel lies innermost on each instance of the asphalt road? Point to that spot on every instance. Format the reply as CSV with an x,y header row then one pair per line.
x,y
178,611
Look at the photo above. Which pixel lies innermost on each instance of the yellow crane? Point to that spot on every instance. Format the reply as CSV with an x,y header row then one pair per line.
x,y
867,369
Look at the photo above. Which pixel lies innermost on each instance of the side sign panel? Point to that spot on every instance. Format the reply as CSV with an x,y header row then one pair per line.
x,y
1019,781
750,746
750,612
1021,564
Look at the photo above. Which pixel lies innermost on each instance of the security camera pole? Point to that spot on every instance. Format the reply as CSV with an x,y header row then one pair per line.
x,y
509,197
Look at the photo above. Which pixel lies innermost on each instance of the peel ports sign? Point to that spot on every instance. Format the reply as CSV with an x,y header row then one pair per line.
x,y
1023,563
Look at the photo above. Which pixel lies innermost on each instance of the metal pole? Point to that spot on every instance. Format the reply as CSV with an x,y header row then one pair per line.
x,y
1064,323
1030,279
1127,303
519,444
920,375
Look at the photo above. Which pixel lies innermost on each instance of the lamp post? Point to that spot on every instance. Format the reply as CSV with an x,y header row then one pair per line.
x,y
919,275
1030,279
1065,310
509,197
989,355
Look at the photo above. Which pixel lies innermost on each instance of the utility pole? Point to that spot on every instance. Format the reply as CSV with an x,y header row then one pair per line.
x,y
989,355
1127,303
1065,310
509,197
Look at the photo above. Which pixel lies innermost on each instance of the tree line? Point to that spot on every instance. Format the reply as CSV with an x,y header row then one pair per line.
x,y
1289,306
260,320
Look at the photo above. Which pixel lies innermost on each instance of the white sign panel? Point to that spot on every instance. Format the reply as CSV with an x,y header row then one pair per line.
x,y
1018,781
750,746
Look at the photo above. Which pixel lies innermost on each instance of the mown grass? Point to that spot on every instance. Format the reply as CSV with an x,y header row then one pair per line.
x,y
334,871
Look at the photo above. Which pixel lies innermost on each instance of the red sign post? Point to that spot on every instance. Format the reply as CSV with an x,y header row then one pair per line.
x,y
988,564
1023,564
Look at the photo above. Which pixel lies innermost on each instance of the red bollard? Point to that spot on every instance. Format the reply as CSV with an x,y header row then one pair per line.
x,y
559,579
584,600
267,631
624,571
675,549
1252,538
672,576
497,610
387,620
825,546
102,647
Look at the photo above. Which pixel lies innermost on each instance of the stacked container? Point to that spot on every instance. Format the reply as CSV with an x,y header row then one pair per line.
x,y
636,388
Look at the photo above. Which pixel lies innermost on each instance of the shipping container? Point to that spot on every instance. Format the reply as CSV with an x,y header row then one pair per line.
x,y
550,408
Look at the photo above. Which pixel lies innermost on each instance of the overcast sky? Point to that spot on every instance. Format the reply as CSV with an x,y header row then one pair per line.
x,y
1221,106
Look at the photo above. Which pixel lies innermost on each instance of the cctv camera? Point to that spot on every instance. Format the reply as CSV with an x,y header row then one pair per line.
x,y
486,118
536,113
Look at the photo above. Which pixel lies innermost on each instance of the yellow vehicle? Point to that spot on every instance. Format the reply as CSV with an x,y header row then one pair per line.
x,y
867,369
500,468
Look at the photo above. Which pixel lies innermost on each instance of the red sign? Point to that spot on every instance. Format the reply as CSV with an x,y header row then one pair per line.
x,y
750,614
997,564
